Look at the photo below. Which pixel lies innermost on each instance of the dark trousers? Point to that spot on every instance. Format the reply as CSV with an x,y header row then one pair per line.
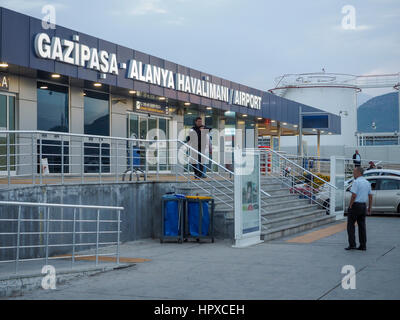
x,y
357,214
198,170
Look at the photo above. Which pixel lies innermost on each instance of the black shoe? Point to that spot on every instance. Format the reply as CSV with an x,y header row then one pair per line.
x,y
350,248
362,248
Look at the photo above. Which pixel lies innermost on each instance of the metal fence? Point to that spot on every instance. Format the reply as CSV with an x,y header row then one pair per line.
x,y
41,158
44,232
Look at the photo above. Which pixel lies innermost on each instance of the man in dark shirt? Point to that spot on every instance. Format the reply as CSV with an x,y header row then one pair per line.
x,y
357,159
195,140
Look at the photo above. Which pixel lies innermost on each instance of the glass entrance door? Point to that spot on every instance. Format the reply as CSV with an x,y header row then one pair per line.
x,y
7,122
144,127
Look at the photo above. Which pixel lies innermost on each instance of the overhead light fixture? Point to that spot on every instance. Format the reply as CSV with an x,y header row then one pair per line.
x,y
273,121
55,76
190,113
97,84
330,133
3,65
315,130
209,108
132,91
284,123
322,131
161,98
244,115
296,126
259,118
44,87
187,104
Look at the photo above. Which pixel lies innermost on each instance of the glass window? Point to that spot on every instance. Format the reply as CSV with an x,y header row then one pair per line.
x,y
97,113
389,184
3,112
11,115
52,107
133,126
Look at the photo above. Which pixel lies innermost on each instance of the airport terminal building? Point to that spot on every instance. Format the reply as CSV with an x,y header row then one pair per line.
x,y
62,80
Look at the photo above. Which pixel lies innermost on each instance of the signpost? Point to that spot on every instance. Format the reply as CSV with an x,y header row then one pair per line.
x,y
247,199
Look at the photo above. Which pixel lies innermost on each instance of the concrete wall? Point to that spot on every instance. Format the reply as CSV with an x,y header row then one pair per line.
x,y
141,218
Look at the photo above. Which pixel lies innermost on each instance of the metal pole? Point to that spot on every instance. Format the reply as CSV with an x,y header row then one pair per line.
x,y
82,160
300,132
8,160
97,237
116,169
176,164
18,239
158,160
119,235
146,163
73,240
47,234
100,162
33,160
40,162
62,160
319,151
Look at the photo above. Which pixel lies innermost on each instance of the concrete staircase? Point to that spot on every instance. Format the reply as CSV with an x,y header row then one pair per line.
x,y
283,213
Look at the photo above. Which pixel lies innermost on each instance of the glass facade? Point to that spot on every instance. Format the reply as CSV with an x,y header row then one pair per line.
x,y
97,122
140,126
52,107
96,113
7,122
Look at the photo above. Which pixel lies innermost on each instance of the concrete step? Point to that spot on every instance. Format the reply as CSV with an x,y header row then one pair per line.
x,y
284,204
279,198
291,229
289,211
293,219
279,191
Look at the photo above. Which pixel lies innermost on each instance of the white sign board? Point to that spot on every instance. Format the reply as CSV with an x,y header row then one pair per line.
x,y
247,200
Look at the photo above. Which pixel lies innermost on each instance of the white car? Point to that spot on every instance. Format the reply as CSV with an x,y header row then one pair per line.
x,y
375,172
385,190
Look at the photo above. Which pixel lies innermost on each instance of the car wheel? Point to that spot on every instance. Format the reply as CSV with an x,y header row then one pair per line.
x,y
398,209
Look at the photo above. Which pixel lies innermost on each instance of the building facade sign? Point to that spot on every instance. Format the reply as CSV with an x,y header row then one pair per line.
x,y
75,53
151,108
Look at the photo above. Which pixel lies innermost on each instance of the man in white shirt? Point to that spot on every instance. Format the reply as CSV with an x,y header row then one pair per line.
x,y
361,195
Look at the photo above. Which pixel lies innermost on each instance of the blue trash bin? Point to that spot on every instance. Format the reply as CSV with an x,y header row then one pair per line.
x,y
172,215
194,216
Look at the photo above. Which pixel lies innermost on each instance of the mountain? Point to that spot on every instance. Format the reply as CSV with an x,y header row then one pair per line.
x,y
362,98
383,110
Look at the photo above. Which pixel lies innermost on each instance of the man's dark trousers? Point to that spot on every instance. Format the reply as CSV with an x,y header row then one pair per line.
x,y
357,214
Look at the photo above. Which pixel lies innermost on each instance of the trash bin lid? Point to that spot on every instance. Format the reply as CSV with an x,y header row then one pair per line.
x,y
198,198
173,196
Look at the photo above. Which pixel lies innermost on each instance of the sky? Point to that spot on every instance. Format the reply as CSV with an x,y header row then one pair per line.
x,y
247,41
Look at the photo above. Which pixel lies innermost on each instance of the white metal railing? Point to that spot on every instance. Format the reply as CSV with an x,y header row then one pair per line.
x,y
299,180
41,157
49,231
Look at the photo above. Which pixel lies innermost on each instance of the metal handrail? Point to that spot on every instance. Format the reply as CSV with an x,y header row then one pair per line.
x,y
46,233
298,166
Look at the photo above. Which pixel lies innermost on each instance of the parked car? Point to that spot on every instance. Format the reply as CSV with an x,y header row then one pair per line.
x,y
375,172
385,190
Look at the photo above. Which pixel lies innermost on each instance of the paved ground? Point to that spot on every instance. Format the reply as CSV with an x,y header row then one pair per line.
x,y
274,270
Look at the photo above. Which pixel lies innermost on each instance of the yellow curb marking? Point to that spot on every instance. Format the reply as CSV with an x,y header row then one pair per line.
x,y
319,234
